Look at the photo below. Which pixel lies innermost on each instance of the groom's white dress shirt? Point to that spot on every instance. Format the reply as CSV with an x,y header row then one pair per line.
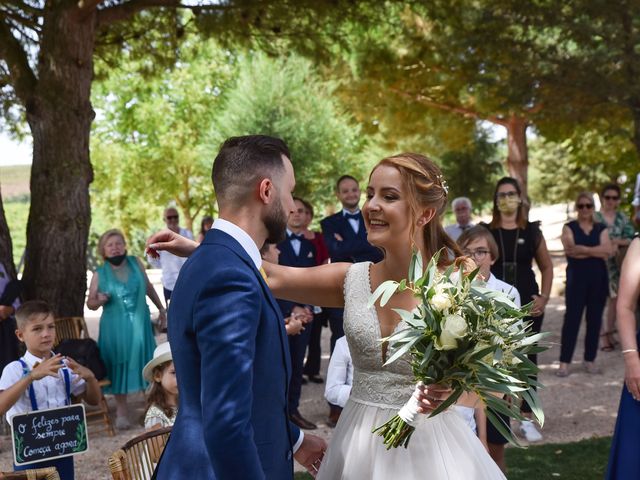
x,y
249,246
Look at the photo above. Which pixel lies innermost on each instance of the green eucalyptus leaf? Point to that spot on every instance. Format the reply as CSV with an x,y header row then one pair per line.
x,y
386,290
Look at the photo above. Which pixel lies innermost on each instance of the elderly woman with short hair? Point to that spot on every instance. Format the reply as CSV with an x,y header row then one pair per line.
x,y
126,339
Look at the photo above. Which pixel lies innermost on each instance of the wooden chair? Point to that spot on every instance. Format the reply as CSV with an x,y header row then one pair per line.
x,y
75,328
49,473
138,457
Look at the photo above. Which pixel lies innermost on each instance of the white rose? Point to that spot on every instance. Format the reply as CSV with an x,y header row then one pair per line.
x,y
440,301
455,325
446,341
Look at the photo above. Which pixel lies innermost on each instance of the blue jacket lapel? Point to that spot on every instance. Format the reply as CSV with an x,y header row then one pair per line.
x,y
215,236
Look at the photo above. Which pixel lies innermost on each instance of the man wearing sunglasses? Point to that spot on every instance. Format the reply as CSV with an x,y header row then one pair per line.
x,y
168,262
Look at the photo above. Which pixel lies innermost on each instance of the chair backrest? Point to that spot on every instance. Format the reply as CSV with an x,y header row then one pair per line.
x,y
137,459
68,328
49,473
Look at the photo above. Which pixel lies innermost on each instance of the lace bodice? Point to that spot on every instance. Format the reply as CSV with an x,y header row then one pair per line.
x,y
373,383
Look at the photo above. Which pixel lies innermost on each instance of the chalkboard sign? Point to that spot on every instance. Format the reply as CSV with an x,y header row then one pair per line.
x,y
48,434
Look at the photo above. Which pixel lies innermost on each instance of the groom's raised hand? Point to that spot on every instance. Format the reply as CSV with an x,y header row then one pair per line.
x,y
310,453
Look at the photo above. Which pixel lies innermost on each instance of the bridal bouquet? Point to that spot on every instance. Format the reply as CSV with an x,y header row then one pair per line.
x,y
466,337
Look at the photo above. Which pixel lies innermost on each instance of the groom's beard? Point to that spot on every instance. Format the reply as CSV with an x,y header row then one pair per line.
x,y
276,223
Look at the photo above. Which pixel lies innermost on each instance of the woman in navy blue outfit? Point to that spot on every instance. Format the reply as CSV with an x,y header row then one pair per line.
x,y
587,246
624,461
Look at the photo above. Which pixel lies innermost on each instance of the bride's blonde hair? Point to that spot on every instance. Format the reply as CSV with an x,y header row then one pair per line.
x,y
426,188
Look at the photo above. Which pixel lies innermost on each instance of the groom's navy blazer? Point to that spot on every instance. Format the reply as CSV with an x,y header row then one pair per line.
x,y
231,356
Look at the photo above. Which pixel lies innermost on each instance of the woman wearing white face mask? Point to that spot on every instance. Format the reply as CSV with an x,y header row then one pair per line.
x,y
520,242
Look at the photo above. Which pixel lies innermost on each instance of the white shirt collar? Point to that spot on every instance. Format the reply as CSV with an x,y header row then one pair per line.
x,y
242,237
347,212
30,359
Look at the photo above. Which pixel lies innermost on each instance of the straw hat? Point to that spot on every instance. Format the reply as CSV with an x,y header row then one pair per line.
x,y
161,354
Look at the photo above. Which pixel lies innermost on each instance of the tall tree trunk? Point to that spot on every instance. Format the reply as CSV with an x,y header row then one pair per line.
x,y
60,116
517,151
6,246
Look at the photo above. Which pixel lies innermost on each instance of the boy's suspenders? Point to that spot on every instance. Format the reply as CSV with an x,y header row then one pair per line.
x,y
32,392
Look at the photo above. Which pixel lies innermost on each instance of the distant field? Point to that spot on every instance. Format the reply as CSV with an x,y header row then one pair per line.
x,y
14,181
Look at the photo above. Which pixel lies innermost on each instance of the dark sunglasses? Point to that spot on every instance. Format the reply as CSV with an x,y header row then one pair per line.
x,y
609,197
582,206
511,194
172,217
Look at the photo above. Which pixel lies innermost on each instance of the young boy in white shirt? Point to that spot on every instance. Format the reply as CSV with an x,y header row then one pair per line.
x,y
42,379
478,244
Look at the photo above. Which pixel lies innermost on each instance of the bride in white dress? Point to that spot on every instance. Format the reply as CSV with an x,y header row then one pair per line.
x,y
405,197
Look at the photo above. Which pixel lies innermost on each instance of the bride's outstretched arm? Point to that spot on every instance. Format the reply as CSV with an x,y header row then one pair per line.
x,y
170,241
321,286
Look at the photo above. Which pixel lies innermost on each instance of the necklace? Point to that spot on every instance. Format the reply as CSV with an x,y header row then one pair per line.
x,y
509,269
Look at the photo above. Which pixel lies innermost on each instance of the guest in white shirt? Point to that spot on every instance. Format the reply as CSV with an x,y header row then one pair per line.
x,y
339,375
479,244
168,262
42,380
462,208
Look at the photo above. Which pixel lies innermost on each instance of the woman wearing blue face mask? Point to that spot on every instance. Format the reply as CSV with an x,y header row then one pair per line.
x,y
126,339
520,242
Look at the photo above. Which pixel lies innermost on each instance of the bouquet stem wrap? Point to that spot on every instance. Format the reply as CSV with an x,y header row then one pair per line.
x,y
398,430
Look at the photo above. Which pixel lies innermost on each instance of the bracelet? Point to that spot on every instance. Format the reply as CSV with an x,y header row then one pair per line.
x,y
630,350
544,295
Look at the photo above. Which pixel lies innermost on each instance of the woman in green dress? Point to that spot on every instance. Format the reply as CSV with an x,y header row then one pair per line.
x,y
620,233
126,341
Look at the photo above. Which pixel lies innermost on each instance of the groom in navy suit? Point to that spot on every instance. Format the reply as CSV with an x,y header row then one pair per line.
x,y
227,336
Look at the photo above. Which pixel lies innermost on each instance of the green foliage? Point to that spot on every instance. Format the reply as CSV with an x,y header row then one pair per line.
x,y
150,143
588,160
154,142
288,99
474,171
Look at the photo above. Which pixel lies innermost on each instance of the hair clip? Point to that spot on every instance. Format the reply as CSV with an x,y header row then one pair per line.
x,y
443,184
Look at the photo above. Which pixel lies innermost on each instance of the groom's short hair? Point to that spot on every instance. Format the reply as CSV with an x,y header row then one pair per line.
x,y
243,161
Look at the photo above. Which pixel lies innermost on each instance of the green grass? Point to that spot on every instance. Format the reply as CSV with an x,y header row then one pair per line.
x,y
17,214
584,460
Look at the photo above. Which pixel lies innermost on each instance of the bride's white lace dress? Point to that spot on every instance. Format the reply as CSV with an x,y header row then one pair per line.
x,y
441,448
